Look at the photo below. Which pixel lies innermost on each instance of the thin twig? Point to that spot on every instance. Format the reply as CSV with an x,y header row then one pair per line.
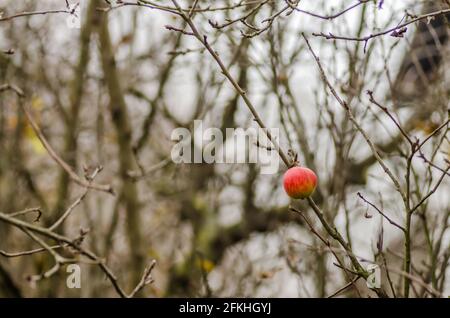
x,y
100,187
27,14
340,290
355,123
326,17
204,40
76,202
27,211
384,109
70,242
25,253
145,280
401,26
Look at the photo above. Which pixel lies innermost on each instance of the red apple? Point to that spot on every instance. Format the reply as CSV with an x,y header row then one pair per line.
x,y
299,182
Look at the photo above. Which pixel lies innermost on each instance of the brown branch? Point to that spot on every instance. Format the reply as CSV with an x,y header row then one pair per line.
x,y
27,14
203,39
145,280
384,109
340,290
242,18
27,211
31,228
433,190
76,202
392,30
355,123
421,155
328,244
25,253
14,88
60,161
